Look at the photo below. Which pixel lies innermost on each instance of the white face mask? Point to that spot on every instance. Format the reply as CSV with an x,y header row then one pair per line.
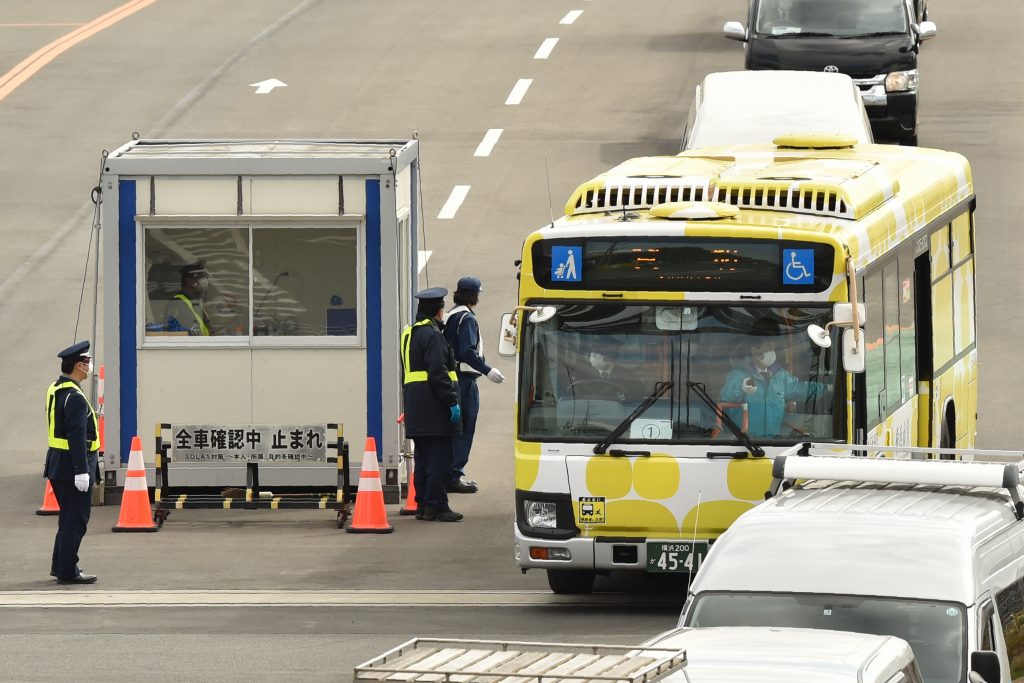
x,y
600,362
767,359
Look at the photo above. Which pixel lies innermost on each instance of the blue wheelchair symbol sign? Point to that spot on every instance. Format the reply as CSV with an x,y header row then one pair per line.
x,y
566,264
797,266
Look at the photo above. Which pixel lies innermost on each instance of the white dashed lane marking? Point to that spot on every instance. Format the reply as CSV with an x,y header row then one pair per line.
x,y
519,91
455,199
544,51
488,143
571,16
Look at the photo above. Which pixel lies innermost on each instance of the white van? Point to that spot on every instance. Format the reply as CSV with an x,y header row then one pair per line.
x,y
713,655
789,655
740,107
929,551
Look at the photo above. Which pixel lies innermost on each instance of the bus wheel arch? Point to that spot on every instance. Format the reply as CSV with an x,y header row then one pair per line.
x,y
947,431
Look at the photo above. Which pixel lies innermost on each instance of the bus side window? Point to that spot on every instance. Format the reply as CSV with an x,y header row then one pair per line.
x,y
908,342
891,335
875,349
942,299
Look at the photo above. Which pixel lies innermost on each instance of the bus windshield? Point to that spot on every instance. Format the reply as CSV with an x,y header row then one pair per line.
x,y
935,630
592,364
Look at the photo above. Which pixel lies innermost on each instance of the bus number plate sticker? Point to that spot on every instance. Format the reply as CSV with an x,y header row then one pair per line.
x,y
591,510
676,557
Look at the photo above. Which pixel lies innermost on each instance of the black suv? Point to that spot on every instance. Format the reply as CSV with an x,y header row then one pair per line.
x,y
875,42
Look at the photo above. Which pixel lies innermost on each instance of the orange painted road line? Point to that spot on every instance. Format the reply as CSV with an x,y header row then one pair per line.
x,y
44,55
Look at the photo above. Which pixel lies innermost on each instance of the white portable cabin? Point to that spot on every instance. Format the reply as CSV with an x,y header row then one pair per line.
x,y
309,252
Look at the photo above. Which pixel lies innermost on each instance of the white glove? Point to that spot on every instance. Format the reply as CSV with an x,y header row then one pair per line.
x,y
82,482
748,386
495,376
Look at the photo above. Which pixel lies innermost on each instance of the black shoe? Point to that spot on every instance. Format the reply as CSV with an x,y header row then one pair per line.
x,y
420,514
53,572
81,578
447,516
462,486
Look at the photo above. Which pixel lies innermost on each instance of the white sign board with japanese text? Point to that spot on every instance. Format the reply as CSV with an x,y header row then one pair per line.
x,y
219,444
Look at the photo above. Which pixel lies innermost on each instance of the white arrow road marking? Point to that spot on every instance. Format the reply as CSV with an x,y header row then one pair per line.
x,y
263,87
61,596
455,199
488,143
544,51
421,260
519,91
571,16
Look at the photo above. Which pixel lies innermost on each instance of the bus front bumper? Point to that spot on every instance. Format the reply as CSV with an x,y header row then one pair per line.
x,y
578,553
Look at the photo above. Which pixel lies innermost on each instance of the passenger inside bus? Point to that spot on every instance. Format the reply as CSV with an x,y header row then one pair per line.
x,y
767,388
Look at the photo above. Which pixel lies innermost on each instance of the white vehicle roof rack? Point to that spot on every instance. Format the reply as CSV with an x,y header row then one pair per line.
x,y
486,661
971,467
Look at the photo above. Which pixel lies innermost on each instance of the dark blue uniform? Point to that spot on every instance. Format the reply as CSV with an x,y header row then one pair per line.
x,y
74,422
429,391
463,334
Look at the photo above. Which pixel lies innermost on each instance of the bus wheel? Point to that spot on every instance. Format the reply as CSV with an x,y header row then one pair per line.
x,y
571,581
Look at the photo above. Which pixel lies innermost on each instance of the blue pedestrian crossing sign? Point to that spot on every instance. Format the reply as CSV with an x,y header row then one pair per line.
x,y
797,266
567,264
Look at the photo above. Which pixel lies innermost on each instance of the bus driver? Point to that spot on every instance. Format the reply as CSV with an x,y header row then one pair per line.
x,y
765,386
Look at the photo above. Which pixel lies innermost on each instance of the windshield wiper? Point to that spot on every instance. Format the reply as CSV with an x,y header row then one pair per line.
x,y
802,34
744,438
875,34
660,389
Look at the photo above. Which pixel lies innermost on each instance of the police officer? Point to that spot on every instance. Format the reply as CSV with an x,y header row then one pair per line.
x,y
463,334
71,459
431,397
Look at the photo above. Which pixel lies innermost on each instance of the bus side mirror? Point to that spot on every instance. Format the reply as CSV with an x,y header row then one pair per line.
x,y
853,354
507,336
985,663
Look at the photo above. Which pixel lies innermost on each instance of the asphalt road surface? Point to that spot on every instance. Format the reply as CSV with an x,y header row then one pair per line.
x,y
253,595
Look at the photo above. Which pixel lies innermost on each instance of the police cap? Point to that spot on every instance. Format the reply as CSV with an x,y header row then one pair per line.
x,y
193,270
470,285
432,298
79,350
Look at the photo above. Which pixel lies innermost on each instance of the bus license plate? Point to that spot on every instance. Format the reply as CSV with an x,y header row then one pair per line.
x,y
676,557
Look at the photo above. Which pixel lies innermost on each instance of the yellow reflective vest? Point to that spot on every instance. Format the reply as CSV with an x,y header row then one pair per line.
x,y
409,375
54,441
204,329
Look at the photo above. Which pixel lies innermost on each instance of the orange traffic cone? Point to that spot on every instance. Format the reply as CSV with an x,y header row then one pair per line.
x,y
50,506
410,500
135,513
370,517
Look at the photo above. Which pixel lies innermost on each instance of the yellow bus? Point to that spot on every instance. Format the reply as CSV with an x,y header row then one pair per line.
x,y
689,316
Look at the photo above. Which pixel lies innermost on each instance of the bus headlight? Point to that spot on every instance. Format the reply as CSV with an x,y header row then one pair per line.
x,y
540,515
901,81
